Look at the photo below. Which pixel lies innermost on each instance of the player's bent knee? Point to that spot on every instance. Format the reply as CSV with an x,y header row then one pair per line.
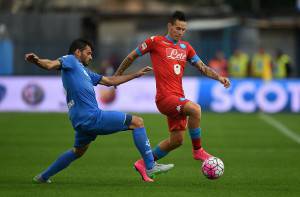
x,y
196,110
80,151
192,109
137,122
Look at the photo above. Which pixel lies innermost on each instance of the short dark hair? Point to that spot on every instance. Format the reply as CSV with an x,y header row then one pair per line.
x,y
177,15
80,44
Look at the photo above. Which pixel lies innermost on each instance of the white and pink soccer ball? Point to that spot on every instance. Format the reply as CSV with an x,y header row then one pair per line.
x,y
212,168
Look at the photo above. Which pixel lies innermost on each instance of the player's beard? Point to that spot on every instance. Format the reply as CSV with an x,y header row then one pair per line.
x,y
86,63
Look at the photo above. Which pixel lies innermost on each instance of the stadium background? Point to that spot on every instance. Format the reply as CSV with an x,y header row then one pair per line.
x,y
253,126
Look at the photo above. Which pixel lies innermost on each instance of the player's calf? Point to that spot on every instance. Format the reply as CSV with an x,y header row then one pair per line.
x,y
175,140
175,144
62,162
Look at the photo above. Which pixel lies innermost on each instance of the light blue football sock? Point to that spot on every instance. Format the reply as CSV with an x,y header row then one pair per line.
x,y
61,163
195,133
143,145
158,153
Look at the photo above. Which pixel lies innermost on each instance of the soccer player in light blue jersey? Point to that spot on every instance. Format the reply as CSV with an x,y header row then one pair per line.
x,y
87,119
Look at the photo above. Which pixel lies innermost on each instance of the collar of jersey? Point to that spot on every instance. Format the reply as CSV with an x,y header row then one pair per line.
x,y
78,61
171,39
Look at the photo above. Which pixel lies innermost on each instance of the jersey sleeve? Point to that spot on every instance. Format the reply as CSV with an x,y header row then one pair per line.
x,y
192,56
96,78
67,62
145,47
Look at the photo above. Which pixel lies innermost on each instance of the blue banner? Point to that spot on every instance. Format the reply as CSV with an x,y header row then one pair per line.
x,y
250,95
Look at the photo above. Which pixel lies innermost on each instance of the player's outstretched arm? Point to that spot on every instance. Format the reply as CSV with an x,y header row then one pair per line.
x,y
126,63
212,74
117,80
42,63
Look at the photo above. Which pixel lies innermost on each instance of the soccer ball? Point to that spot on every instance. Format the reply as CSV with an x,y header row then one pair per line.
x,y
212,168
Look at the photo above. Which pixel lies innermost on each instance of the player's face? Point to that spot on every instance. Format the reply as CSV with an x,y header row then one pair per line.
x,y
177,30
86,55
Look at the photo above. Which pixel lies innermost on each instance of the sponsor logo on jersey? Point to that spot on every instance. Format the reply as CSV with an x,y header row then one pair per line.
x,y
176,54
178,108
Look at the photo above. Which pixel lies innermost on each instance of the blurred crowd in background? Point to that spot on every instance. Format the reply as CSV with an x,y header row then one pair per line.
x,y
259,65
239,65
253,38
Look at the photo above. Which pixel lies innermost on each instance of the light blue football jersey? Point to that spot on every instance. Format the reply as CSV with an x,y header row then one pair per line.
x,y
78,82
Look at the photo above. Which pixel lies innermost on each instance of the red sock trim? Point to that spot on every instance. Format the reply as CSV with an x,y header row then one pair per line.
x,y
196,143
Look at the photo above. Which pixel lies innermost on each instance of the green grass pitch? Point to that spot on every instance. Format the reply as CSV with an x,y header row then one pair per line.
x,y
259,160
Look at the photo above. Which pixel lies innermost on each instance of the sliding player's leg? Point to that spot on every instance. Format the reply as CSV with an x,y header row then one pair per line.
x,y
112,122
62,162
82,140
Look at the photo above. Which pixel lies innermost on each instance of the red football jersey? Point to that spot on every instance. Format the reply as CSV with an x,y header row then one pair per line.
x,y
168,61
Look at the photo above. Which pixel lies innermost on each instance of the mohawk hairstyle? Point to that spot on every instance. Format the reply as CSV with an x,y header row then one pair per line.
x,y
177,15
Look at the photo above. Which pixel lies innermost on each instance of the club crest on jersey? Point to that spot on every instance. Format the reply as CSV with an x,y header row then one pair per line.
x,y
183,46
176,54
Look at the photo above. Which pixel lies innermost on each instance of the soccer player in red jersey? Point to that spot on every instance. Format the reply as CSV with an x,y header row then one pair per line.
x,y
169,55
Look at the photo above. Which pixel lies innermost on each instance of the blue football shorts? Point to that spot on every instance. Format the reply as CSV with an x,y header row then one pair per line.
x,y
102,123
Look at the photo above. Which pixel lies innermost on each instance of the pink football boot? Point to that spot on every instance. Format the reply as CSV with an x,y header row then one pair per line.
x,y
141,168
201,154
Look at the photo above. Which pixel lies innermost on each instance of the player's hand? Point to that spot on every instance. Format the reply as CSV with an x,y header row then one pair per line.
x,y
143,71
32,58
225,81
